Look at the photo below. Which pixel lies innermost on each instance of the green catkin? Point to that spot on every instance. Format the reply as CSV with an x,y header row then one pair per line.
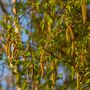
x,y
84,11
67,34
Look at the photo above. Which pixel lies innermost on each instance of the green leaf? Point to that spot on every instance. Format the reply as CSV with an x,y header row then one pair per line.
x,y
27,53
26,31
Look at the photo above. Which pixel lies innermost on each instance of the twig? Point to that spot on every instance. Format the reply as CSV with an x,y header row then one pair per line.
x,y
27,12
3,9
85,86
31,9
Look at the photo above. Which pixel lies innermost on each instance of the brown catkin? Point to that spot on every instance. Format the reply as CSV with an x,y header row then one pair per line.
x,y
8,45
73,40
84,11
70,36
73,46
67,34
13,1
41,66
71,33
14,8
32,66
49,27
53,76
78,81
42,63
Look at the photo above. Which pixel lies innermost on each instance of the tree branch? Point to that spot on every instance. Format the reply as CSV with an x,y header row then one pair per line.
x,y
2,7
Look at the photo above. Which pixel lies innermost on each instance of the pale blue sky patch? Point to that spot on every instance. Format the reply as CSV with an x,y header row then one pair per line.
x,y
4,84
24,37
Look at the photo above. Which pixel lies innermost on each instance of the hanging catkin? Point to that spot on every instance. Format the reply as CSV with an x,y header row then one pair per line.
x,y
14,8
67,34
84,11
78,81
49,27
33,75
71,33
53,76
42,63
73,40
73,46
70,37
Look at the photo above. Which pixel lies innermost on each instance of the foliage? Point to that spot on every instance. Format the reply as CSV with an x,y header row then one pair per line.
x,y
59,33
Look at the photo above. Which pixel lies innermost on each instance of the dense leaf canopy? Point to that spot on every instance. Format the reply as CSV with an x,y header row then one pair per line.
x,y
58,36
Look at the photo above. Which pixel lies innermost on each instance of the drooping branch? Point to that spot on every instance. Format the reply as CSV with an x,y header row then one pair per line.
x,y
55,56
